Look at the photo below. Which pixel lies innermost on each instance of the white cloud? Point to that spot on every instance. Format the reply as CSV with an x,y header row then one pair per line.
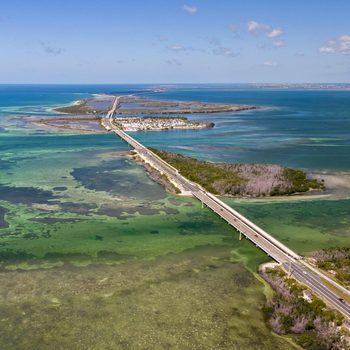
x,y
179,48
190,9
327,49
274,33
176,47
340,44
255,27
279,43
270,64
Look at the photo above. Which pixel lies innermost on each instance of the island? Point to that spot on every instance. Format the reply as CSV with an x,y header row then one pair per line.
x,y
92,123
158,123
243,180
131,104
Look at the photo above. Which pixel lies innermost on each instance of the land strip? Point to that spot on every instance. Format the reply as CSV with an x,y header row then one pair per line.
x,y
243,180
129,104
76,123
159,123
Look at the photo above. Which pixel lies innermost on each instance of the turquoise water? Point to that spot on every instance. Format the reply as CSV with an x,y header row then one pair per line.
x,y
36,99
299,128
303,129
103,255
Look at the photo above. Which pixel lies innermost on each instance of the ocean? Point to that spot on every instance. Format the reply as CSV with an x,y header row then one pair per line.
x,y
296,128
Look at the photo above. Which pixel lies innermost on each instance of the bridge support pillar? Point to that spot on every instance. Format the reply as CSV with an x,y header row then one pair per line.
x,y
240,235
202,205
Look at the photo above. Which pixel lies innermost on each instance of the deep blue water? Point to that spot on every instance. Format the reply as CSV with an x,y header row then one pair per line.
x,y
298,128
35,99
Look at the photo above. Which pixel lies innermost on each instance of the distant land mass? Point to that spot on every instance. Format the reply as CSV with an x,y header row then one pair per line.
x,y
303,86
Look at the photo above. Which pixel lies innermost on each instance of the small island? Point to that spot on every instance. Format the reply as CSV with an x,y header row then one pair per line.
x,y
158,123
92,123
243,180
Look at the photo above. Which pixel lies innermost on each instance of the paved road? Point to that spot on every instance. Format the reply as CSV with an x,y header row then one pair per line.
x,y
313,281
274,248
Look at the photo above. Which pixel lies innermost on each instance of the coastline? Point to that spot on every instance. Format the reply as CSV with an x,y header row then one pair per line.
x,y
140,105
337,184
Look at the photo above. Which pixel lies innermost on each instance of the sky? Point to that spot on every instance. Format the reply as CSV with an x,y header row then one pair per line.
x,y
174,41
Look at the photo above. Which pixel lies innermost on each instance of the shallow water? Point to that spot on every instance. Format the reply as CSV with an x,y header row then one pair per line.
x,y
96,255
197,299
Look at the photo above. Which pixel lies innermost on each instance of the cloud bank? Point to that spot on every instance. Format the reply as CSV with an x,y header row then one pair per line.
x,y
340,45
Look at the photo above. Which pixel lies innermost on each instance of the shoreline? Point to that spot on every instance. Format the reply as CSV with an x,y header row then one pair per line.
x,y
141,105
337,186
235,180
76,124
337,183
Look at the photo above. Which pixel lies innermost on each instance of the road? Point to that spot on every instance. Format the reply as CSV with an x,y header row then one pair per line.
x,y
289,260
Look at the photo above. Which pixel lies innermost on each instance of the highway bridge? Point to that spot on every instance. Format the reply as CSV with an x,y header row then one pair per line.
x,y
289,260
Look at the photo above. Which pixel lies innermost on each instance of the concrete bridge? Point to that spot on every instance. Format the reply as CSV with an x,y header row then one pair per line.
x,y
289,260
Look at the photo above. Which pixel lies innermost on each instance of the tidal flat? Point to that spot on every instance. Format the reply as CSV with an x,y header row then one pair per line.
x,y
202,298
91,261
94,254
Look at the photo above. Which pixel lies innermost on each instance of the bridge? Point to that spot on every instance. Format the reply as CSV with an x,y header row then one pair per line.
x,y
291,262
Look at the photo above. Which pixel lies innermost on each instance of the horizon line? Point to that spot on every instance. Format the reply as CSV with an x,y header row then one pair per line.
x,y
180,83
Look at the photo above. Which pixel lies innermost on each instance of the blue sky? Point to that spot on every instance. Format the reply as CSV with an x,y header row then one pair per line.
x,y
171,41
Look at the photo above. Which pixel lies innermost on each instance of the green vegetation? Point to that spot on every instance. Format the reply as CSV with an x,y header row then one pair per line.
x,y
81,107
202,172
335,261
300,182
295,310
253,180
